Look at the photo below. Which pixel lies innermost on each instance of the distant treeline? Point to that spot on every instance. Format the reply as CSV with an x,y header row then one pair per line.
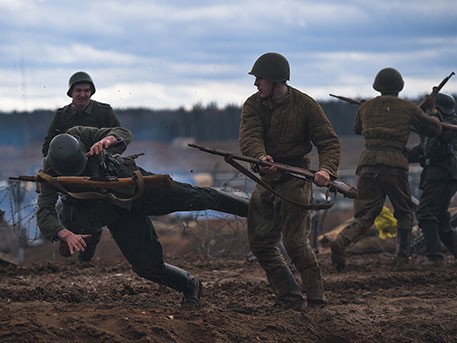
x,y
208,123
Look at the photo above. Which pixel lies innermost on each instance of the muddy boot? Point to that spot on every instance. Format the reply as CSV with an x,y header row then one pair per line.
x,y
313,286
338,246
286,289
449,240
432,240
402,257
184,282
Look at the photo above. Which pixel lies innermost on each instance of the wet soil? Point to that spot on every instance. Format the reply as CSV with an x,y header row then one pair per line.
x,y
52,299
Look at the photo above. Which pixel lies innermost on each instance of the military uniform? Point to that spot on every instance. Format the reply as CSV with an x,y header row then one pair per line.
x,y
286,129
128,221
438,182
96,114
385,123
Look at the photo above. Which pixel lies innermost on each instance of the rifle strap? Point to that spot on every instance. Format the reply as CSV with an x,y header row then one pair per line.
x,y
137,176
230,160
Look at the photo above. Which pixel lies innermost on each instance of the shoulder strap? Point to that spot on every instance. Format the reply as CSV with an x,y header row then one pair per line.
x,y
137,176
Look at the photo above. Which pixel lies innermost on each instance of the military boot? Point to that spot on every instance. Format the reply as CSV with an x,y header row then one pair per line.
x,y
402,255
286,289
449,240
184,282
338,246
313,286
432,240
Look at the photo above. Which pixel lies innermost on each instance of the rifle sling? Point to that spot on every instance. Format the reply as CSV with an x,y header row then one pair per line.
x,y
230,160
137,176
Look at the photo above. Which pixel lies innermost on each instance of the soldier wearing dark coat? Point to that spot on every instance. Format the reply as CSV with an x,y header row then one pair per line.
x,y
280,123
86,112
438,183
92,152
385,123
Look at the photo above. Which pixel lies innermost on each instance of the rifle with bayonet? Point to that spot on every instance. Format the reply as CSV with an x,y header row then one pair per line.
x,y
336,186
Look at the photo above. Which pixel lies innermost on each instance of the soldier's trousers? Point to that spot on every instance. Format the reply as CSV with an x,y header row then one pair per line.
x,y
434,218
270,218
373,190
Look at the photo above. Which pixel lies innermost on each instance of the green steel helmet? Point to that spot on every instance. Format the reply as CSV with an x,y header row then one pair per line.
x,y
388,80
445,103
271,66
66,155
78,77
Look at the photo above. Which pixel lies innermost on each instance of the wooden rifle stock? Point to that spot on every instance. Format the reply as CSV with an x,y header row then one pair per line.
x,y
342,187
158,180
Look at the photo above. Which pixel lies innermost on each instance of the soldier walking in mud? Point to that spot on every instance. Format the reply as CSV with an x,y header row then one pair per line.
x,y
281,124
438,182
94,152
87,112
385,123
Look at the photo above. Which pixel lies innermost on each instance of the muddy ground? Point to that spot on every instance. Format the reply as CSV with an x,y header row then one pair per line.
x,y
52,299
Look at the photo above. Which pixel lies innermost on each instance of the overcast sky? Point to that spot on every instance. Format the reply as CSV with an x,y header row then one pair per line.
x,y
178,53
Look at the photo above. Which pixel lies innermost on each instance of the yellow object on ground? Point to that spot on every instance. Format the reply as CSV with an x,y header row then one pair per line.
x,y
386,224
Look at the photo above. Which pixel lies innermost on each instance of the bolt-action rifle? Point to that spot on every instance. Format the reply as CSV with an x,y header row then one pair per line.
x,y
96,188
109,182
336,186
436,90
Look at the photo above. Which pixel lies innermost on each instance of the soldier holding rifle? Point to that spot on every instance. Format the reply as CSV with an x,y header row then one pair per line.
x,y
438,182
281,124
385,123
88,151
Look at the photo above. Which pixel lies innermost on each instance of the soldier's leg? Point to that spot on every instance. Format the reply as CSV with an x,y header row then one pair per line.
x,y
399,193
429,214
447,232
367,207
185,197
295,228
138,241
264,235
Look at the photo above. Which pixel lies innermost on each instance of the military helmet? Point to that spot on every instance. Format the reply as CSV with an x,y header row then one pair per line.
x,y
66,155
271,66
78,77
445,103
388,80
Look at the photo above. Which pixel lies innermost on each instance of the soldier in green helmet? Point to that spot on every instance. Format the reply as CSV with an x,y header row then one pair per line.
x,y
438,183
87,112
281,124
385,122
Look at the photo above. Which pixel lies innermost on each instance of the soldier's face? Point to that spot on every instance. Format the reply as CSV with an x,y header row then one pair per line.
x,y
264,86
81,94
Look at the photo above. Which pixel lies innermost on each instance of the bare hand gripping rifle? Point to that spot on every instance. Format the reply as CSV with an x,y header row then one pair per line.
x,y
336,186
